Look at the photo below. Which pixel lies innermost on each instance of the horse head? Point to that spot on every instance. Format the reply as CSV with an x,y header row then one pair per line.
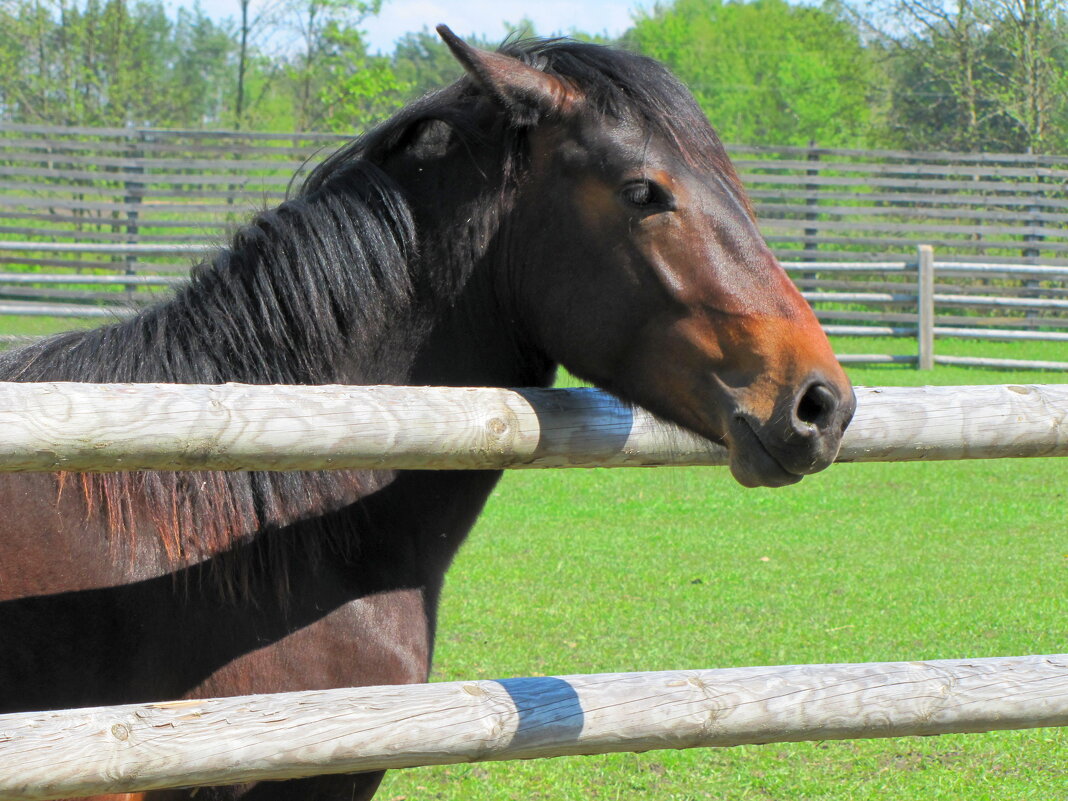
x,y
642,268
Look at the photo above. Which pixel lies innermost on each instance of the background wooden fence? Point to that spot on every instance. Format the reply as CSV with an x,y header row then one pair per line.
x,y
925,299
126,211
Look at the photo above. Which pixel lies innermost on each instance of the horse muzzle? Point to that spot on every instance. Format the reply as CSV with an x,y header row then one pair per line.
x,y
801,436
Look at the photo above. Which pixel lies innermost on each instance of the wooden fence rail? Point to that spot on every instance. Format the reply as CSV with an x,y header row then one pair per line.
x,y
47,755
86,427
132,748
916,300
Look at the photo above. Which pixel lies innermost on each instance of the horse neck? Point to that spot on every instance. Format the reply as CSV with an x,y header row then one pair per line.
x,y
462,206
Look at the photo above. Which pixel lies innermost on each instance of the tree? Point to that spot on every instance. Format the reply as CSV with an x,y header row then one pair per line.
x,y
765,71
358,89
973,74
934,62
423,63
246,30
313,27
106,62
1029,39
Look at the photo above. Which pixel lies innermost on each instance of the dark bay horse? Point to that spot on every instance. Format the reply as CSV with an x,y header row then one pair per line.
x,y
564,203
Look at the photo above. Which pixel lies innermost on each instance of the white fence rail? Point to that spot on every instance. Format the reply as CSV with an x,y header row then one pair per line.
x,y
916,303
45,755
86,427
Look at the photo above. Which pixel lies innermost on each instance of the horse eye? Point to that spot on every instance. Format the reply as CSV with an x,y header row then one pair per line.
x,y
647,196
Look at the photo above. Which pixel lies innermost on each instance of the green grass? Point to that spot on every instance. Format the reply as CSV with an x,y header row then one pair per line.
x,y
39,326
583,571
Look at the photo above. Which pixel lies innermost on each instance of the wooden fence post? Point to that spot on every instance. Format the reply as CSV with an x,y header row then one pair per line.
x,y
925,306
812,202
133,197
1031,254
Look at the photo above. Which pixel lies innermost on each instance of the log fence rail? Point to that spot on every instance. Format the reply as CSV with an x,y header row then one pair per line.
x,y
121,749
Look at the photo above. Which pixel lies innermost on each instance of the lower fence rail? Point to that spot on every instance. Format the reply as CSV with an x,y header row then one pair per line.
x,y
60,754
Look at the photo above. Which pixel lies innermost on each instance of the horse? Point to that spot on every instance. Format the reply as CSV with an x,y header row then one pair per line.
x,y
563,203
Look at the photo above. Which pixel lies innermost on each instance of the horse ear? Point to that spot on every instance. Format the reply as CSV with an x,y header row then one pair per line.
x,y
517,86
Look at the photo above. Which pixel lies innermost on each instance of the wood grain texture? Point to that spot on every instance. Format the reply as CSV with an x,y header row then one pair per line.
x,y
877,358
999,334
919,229
883,243
870,331
922,200
973,268
790,205
860,297
911,156
85,427
217,741
850,266
69,278
37,309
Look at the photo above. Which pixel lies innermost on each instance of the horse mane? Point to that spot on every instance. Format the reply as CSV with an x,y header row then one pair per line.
x,y
273,307
322,280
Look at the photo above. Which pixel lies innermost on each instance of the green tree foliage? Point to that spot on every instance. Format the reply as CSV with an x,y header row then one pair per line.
x,y
765,71
974,74
924,74
319,29
358,89
423,63
112,63
1028,40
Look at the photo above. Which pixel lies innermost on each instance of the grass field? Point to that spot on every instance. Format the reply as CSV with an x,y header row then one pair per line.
x,y
672,568
583,571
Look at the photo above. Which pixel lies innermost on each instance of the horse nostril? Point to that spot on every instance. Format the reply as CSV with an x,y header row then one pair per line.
x,y
816,406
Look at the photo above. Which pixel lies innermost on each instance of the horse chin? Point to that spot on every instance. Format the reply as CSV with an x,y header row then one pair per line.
x,y
752,465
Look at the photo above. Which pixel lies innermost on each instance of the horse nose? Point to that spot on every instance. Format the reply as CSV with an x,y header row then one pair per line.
x,y
814,409
822,410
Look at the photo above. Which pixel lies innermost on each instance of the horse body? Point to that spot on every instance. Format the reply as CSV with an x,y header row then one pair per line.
x,y
539,212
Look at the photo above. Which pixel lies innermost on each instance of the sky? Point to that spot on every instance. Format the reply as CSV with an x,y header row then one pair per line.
x,y
484,17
